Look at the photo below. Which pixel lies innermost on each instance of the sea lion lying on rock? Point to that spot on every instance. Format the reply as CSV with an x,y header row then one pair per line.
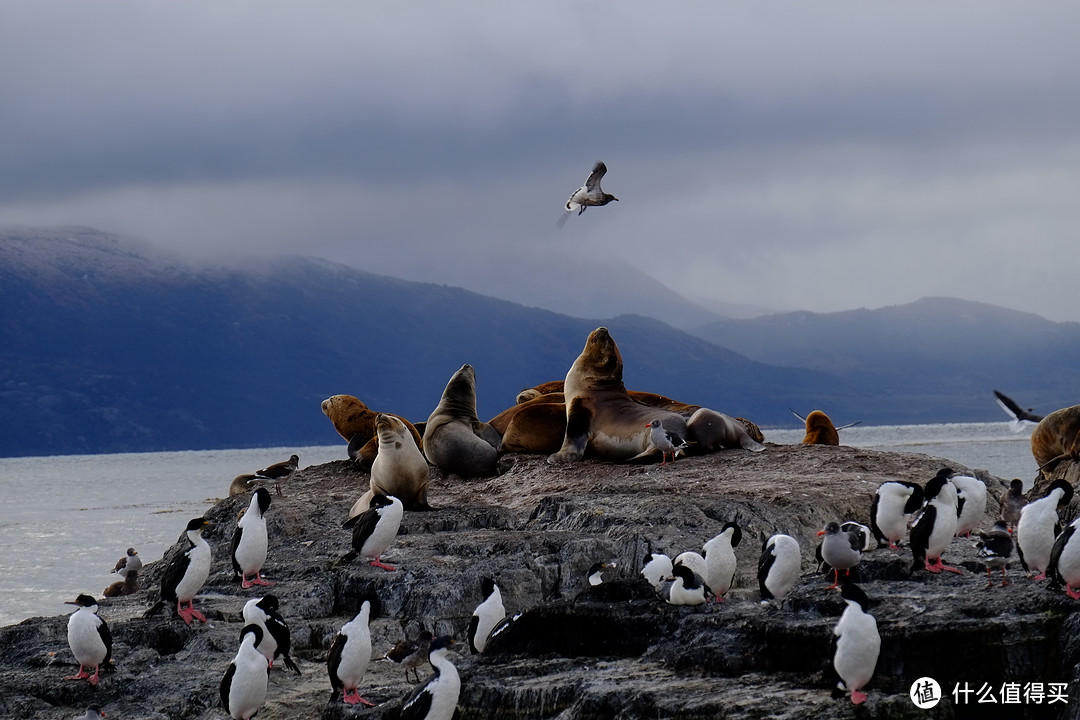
x,y
604,422
355,422
455,440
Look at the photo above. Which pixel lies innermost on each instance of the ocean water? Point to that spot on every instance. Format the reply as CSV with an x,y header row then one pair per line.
x,y
65,520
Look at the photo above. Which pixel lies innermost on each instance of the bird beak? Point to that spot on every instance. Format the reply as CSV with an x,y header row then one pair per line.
x,y
820,533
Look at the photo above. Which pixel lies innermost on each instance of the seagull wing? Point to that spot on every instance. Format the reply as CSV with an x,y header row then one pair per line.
x,y
593,183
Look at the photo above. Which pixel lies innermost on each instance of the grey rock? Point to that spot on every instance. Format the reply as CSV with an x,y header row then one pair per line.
x,y
574,652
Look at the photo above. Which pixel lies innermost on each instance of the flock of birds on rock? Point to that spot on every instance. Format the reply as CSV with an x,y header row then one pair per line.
x,y
929,516
265,636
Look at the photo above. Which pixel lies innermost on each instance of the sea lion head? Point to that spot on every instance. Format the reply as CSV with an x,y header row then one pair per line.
x,y
459,397
820,430
391,431
350,416
600,361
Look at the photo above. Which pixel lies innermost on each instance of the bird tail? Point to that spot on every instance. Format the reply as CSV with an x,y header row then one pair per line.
x,y
562,219
291,665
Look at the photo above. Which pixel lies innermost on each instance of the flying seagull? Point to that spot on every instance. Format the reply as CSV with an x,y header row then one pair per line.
x,y
1020,417
588,194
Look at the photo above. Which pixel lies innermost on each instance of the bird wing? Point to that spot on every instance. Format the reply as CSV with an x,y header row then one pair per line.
x,y
850,424
363,525
1013,410
418,703
333,660
765,563
474,625
174,573
593,182
106,637
237,534
1055,552
226,684
797,415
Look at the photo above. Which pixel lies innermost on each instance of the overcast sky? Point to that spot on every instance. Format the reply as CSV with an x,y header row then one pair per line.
x,y
810,155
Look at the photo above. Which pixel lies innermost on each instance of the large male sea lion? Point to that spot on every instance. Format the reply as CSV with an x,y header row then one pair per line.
x,y
355,422
455,440
1057,437
399,469
602,421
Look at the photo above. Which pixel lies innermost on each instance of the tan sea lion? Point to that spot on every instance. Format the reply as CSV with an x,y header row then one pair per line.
x,y
455,440
820,430
1057,437
710,430
355,422
602,421
539,425
244,483
399,468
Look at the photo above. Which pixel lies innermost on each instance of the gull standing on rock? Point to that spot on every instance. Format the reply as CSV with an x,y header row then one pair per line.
x,y
279,472
93,712
588,194
89,638
840,549
665,441
410,654
1013,503
995,549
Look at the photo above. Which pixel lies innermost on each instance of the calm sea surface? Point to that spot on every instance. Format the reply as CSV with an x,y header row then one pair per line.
x,y
65,520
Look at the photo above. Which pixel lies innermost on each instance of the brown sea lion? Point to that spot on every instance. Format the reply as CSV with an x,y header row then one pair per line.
x,y
710,430
539,425
355,422
602,421
1057,437
399,468
820,430
455,440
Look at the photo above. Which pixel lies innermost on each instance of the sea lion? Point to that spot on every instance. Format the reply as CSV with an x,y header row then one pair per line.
x,y
455,440
709,430
1057,437
602,421
539,425
399,468
355,422
820,430
244,483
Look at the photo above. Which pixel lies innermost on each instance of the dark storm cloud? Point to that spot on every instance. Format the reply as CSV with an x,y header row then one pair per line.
x,y
792,148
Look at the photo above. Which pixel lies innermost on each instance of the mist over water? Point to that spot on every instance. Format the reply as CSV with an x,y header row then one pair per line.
x,y
67,519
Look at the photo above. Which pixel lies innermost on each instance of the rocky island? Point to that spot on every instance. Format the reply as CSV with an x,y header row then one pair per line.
x,y
576,652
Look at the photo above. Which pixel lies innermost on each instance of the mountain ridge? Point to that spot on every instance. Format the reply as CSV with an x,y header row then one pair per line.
x,y
111,346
